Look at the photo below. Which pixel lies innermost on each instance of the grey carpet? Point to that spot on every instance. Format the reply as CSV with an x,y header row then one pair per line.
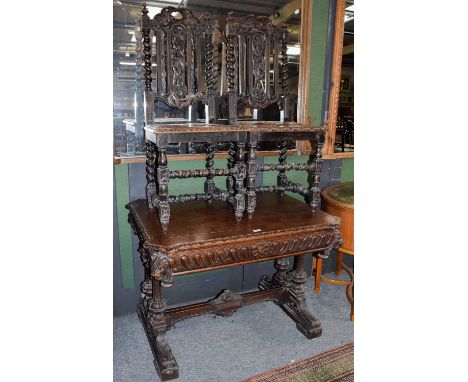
x,y
255,339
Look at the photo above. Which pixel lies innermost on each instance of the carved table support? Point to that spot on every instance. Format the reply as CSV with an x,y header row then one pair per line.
x,y
163,182
281,266
295,302
153,316
251,176
146,286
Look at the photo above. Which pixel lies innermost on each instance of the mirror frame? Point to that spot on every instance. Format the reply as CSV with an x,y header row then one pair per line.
x,y
330,124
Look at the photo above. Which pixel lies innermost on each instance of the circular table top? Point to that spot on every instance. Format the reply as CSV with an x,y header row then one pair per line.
x,y
340,194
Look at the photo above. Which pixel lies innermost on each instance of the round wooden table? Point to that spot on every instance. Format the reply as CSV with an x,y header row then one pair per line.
x,y
338,200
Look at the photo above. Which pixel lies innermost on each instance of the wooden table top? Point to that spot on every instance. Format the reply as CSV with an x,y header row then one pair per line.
x,y
201,221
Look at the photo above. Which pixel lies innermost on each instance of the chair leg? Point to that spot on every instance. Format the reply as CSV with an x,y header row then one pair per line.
x,y
339,262
318,274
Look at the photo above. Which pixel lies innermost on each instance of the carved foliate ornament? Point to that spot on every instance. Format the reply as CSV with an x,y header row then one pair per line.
x,y
160,269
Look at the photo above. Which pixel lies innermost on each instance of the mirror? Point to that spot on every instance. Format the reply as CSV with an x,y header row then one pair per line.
x,y
127,144
344,138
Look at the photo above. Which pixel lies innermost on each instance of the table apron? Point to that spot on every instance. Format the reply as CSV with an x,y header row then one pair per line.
x,y
239,263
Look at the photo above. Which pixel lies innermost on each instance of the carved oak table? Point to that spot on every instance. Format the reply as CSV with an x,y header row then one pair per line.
x,y
204,235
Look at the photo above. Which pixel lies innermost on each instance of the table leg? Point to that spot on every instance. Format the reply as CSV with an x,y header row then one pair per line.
x,y
152,315
146,286
156,324
294,303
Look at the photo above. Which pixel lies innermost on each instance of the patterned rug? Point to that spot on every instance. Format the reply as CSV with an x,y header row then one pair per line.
x,y
335,365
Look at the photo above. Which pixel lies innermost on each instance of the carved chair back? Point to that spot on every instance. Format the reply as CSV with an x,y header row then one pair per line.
x,y
256,64
185,61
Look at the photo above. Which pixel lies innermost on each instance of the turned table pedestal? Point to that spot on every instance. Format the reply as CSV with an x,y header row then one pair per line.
x,y
204,235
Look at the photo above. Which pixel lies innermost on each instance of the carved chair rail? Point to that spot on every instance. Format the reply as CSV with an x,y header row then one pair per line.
x,y
200,173
292,187
286,167
218,195
241,173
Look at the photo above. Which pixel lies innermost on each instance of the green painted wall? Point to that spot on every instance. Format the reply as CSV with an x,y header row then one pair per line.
x,y
125,235
347,170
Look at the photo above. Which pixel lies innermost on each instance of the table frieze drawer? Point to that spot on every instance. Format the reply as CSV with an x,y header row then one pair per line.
x,y
235,252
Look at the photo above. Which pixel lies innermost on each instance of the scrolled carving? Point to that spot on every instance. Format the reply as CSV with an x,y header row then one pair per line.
x,y
177,33
226,303
160,269
216,195
285,167
231,252
258,66
239,171
163,175
199,173
226,296
336,243
179,52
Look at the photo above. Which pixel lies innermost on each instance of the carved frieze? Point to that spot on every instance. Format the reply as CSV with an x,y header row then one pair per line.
x,y
231,251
